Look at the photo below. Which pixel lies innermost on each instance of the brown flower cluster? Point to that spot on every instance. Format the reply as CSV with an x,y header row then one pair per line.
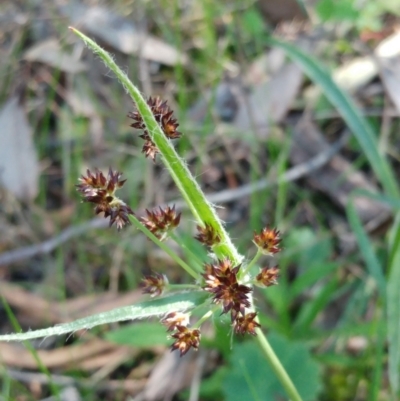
x,y
100,190
268,241
246,324
221,280
207,235
175,319
268,276
154,284
185,337
229,286
160,222
163,115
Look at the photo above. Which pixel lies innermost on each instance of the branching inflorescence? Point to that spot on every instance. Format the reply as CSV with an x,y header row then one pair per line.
x,y
229,284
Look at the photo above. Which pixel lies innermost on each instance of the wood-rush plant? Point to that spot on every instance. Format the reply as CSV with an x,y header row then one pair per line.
x,y
226,283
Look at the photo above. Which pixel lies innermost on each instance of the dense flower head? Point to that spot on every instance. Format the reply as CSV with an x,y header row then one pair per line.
x,y
268,241
154,284
160,222
163,115
207,235
100,190
246,324
221,280
185,338
268,276
174,319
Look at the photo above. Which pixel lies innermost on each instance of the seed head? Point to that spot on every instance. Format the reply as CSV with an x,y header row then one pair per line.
x,y
185,339
207,235
154,284
163,115
268,276
221,281
246,324
174,319
100,190
268,241
150,149
161,222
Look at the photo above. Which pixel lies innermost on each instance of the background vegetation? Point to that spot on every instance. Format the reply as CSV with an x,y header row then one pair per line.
x,y
299,132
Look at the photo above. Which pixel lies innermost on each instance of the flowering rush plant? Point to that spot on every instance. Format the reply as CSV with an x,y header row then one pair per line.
x,y
223,286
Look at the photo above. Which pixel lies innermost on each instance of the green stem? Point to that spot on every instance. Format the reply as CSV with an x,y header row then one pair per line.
x,y
206,316
203,211
197,261
277,367
164,247
251,264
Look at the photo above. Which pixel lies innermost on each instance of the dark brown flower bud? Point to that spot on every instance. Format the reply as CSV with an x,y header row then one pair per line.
x,y
268,276
207,235
185,339
163,115
154,284
174,319
268,241
100,190
246,324
221,281
161,222
150,149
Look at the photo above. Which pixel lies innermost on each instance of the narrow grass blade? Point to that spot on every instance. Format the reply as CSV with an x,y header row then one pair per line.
x,y
393,203
349,111
379,354
373,265
155,307
393,311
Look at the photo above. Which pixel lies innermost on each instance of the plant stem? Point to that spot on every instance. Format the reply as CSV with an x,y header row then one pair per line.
x,y
251,264
198,263
203,211
164,247
277,366
206,316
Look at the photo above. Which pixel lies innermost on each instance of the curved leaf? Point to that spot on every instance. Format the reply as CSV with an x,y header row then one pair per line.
x,y
348,110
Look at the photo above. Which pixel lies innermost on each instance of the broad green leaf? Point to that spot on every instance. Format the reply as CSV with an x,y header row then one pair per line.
x,y
251,378
143,334
337,10
348,110
155,307
210,387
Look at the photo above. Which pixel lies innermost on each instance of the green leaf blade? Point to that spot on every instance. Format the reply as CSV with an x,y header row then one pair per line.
x,y
349,111
153,308
393,313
